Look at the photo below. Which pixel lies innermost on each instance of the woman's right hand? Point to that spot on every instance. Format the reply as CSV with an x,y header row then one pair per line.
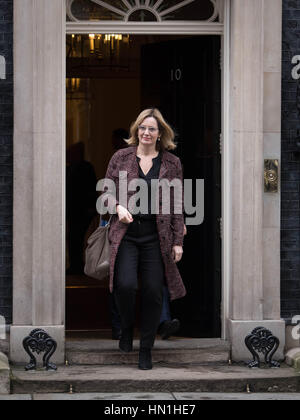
x,y
124,215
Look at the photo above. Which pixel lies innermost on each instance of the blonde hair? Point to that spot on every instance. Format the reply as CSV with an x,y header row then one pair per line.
x,y
167,134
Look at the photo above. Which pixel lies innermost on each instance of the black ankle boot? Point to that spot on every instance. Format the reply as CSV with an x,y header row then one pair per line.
x,y
145,359
126,340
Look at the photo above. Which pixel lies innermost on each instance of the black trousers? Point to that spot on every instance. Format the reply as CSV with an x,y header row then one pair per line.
x,y
139,258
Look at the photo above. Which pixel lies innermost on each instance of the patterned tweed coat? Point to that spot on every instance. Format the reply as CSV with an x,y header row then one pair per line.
x,y
170,226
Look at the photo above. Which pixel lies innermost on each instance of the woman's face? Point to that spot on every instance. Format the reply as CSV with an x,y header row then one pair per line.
x,y
148,132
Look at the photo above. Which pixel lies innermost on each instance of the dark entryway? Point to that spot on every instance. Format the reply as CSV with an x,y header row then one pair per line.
x,y
185,83
181,77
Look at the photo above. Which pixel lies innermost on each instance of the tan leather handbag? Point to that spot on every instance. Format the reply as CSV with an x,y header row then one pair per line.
x,y
97,253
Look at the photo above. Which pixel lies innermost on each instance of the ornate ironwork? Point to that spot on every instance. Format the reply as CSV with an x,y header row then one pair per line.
x,y
262,341
38,342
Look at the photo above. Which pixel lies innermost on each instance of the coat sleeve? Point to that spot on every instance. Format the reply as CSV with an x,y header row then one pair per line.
x,y
110,194
177,220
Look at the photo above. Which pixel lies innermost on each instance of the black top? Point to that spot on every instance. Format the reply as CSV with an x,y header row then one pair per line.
x,y
152,174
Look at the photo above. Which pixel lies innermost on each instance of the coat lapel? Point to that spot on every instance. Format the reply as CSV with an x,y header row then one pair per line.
x,y
131,165
163,166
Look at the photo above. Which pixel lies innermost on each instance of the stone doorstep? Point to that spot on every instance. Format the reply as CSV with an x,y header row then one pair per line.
x,y
174,351
193,365
174,343
162,378
159,356
155,396
4,374
292,358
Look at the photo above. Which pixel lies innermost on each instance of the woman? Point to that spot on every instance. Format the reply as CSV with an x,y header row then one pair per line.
x,y
145,246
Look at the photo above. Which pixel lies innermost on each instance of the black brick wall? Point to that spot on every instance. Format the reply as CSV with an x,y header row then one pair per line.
x,y
290,165
6,159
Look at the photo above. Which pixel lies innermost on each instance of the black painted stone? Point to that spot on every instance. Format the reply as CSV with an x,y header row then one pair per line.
x,y
290,165
6,160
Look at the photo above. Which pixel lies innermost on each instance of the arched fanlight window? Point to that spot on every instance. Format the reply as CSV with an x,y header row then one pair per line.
x,y
144,10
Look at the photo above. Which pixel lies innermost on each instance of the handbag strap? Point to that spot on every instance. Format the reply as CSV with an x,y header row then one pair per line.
x,y
107,224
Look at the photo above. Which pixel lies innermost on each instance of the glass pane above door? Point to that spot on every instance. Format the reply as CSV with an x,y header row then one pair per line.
x,y
195,10
89,10
143,10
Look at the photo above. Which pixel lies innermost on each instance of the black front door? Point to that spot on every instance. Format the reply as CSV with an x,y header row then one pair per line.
x,y
183,79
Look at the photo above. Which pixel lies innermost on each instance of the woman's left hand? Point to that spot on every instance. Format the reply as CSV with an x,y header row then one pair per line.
x,y
177,252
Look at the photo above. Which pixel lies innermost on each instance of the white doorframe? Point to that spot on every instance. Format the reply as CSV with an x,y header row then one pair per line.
x,y
193,28
146,28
